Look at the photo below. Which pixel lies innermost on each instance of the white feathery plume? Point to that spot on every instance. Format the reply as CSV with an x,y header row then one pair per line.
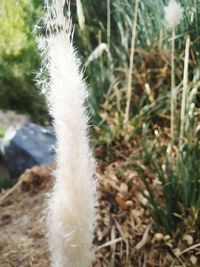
x,y
71,205
173,13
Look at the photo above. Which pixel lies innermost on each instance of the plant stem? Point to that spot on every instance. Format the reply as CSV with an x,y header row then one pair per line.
x,y
185,91
129,83
80,14
108,23
173,90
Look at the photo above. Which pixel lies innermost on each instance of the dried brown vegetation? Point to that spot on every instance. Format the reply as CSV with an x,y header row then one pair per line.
x,y
125,234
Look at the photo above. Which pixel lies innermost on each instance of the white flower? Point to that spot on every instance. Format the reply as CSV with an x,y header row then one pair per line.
x,y
173,13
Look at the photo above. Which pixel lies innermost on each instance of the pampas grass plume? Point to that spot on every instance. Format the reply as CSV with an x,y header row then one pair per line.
x,y
173,13
71,212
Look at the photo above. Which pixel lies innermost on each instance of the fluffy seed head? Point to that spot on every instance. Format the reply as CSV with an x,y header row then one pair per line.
x,y
173,13
71,204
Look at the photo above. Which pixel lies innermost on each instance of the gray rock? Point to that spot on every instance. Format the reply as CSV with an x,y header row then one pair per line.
x,y
27,146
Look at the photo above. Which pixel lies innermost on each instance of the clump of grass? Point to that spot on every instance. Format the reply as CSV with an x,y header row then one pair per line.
x,y
179,184
176,170
112,20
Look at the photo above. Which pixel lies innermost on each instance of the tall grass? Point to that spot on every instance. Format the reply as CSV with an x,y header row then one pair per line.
x,y
178,171
112,20
179,194
161,57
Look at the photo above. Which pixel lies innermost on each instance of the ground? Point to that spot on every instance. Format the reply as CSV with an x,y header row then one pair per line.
x,y
125,235
22,228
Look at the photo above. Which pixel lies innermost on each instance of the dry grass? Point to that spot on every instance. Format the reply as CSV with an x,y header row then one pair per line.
x,y
22,228
125,234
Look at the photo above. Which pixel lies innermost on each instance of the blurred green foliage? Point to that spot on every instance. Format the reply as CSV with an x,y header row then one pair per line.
x,y
6,182
19,58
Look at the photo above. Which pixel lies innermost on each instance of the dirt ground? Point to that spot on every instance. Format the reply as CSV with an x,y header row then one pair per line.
x,y
125,234
22,227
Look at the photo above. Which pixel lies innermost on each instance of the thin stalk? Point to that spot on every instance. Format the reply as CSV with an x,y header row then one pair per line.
x,y
129,83
185,91
173,90
108,23
80,14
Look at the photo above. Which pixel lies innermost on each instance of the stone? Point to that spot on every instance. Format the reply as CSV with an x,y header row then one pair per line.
x,y
27,146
